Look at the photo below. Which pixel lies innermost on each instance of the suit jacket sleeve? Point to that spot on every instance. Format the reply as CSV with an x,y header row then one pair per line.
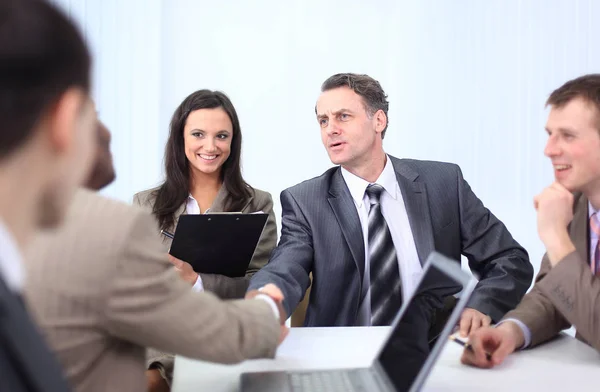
x,y
538,312
291,261
575,292
566,294
502,265
227,287
148,304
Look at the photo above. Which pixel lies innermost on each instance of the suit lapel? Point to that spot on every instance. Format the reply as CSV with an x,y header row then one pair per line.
x,y
345,212
218,205
579,229
414,195
26,346
247,205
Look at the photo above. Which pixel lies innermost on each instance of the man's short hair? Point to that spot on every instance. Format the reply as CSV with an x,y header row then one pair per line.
x,y
586,87
42,55
374,98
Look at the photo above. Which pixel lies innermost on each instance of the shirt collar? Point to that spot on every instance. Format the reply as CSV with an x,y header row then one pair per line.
x,y
192,206
357,185
591,209
11,262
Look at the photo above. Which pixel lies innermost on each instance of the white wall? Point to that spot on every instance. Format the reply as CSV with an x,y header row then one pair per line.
x,y
125,40
466,80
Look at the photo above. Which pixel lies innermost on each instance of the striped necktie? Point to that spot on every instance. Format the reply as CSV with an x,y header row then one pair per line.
x,y
386,289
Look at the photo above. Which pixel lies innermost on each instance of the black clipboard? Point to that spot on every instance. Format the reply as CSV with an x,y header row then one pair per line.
x,y
218,243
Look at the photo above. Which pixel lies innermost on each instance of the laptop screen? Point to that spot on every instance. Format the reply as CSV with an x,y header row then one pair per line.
x,y
410,343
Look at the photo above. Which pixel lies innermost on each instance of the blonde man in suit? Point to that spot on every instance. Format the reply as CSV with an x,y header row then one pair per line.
x,y
567,287
102,289
203,174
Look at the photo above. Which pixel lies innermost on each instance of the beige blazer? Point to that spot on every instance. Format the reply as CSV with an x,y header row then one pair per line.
x,y
566,294
224,286
102,289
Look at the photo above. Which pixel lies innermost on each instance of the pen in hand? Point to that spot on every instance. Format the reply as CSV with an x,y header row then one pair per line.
x,y
167,234
468,346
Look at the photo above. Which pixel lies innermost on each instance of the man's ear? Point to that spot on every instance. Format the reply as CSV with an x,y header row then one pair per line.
x,y
63,117
380,121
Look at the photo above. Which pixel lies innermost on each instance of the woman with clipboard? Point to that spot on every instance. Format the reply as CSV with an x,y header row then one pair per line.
x,y
203,174
202,166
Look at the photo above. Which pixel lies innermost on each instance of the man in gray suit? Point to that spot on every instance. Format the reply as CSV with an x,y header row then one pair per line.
x,y
364,228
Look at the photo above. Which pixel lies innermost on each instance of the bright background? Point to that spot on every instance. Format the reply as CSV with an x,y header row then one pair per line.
x,y
466,79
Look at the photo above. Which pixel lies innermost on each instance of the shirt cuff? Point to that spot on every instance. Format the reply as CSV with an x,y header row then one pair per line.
x,y
524,329
271,303
198,286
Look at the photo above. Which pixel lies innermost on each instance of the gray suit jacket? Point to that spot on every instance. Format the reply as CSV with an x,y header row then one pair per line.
x,y
102,290
224,286
321,233
566,294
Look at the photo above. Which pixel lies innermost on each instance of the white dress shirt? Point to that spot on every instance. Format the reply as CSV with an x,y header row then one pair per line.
x,y
396,217
11,262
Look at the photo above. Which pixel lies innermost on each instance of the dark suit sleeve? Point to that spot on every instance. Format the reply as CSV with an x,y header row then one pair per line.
x,y
292,259
501,264
538,312
228,288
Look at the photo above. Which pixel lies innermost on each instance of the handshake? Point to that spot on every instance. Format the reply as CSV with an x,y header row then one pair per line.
x,y
275,294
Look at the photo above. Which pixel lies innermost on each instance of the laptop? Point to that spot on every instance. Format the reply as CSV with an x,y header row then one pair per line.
x,y
408,354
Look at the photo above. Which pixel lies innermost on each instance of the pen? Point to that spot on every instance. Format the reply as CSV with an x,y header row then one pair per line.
x,y
468,346
167,234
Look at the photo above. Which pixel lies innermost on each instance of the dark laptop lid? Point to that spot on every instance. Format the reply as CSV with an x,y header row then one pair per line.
x,y
409,353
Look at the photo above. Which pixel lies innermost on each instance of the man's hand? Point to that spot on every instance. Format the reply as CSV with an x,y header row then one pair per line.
x,y
498,342
277,296
272,291
156,383
186,272
554,213
471,320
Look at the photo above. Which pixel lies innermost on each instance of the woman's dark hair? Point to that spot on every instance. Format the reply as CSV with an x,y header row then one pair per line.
x,y
169,197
